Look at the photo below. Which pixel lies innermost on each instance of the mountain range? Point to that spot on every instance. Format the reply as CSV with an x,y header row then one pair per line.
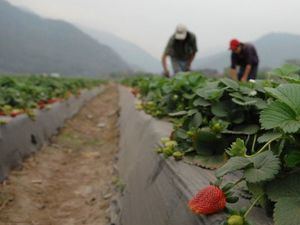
x,y
135,56
32,44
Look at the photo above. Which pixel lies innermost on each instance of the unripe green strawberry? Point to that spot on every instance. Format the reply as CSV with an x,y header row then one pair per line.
x,y
235,220
150,104
190,133
217,127
159,150
174,97
3,122
208,201
178,155
171,144
139,105
164,140
167,151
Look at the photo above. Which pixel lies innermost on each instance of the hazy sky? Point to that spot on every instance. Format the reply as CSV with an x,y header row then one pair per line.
x,y
150,23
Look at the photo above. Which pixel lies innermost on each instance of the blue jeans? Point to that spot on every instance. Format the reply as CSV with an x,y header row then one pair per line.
x,y
252,74
179,65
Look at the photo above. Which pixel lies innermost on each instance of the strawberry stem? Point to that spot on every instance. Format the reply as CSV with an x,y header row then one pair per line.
x,y
253,144
263,148
239,181
251,206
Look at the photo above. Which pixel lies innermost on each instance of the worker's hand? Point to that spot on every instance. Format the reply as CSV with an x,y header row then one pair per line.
x,y
244,79
166,73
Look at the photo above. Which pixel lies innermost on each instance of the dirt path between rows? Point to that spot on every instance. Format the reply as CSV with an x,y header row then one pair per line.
x,y
70,181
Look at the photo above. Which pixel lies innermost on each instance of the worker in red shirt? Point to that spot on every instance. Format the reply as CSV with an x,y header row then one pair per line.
x,y
244,55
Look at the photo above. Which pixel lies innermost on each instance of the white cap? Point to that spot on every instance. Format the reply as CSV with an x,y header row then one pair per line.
x,y
181,32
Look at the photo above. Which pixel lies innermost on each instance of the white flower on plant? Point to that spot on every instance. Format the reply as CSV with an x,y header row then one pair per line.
x,y
253,93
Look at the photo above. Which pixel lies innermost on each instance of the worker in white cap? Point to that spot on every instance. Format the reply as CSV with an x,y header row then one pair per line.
x,y
181,48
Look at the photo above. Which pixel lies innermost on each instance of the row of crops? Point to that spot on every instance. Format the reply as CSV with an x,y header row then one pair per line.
x,y
24,94
250,127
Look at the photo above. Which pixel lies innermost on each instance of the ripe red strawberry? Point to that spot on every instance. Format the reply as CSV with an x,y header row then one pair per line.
x,y
135,91
208,201
42,104
16,112
52,100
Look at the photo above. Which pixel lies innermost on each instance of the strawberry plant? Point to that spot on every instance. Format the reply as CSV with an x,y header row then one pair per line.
x,y
208,114
249,127
24,94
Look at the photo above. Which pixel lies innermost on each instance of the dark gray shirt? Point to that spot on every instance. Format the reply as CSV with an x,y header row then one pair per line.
x,y
248,56
182,50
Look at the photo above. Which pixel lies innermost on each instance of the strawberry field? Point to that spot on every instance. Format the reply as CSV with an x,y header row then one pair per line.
x,y
250,129
28,113
19,95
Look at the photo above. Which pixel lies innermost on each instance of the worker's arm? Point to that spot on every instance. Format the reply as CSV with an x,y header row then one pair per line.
x,y
164,65
233,74
246,73
191,59
167,52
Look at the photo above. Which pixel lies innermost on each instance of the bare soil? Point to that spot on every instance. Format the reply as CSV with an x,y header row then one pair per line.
x,y
70,181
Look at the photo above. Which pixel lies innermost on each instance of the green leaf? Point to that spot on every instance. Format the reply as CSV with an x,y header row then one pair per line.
x,y
293,79
233,164
287,211
192,112
207,143
268,137
189,96
239,118
260,103
237,148
265,167
286,70
280,115
208,162
288,186
292,159
201,102
288,94
257,190
180,113
219,109
230,83
196,120
210,91
181,133
244,102
247,91
243,129
237,95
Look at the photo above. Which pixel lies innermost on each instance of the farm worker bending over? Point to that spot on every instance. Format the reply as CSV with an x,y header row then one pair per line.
x,y
181,48
245,56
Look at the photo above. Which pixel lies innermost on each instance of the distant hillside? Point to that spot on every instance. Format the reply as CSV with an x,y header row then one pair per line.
x,y
31,44
273,49
135,56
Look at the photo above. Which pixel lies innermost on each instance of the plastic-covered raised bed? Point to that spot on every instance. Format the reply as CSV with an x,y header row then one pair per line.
x,y
22,136
157,190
